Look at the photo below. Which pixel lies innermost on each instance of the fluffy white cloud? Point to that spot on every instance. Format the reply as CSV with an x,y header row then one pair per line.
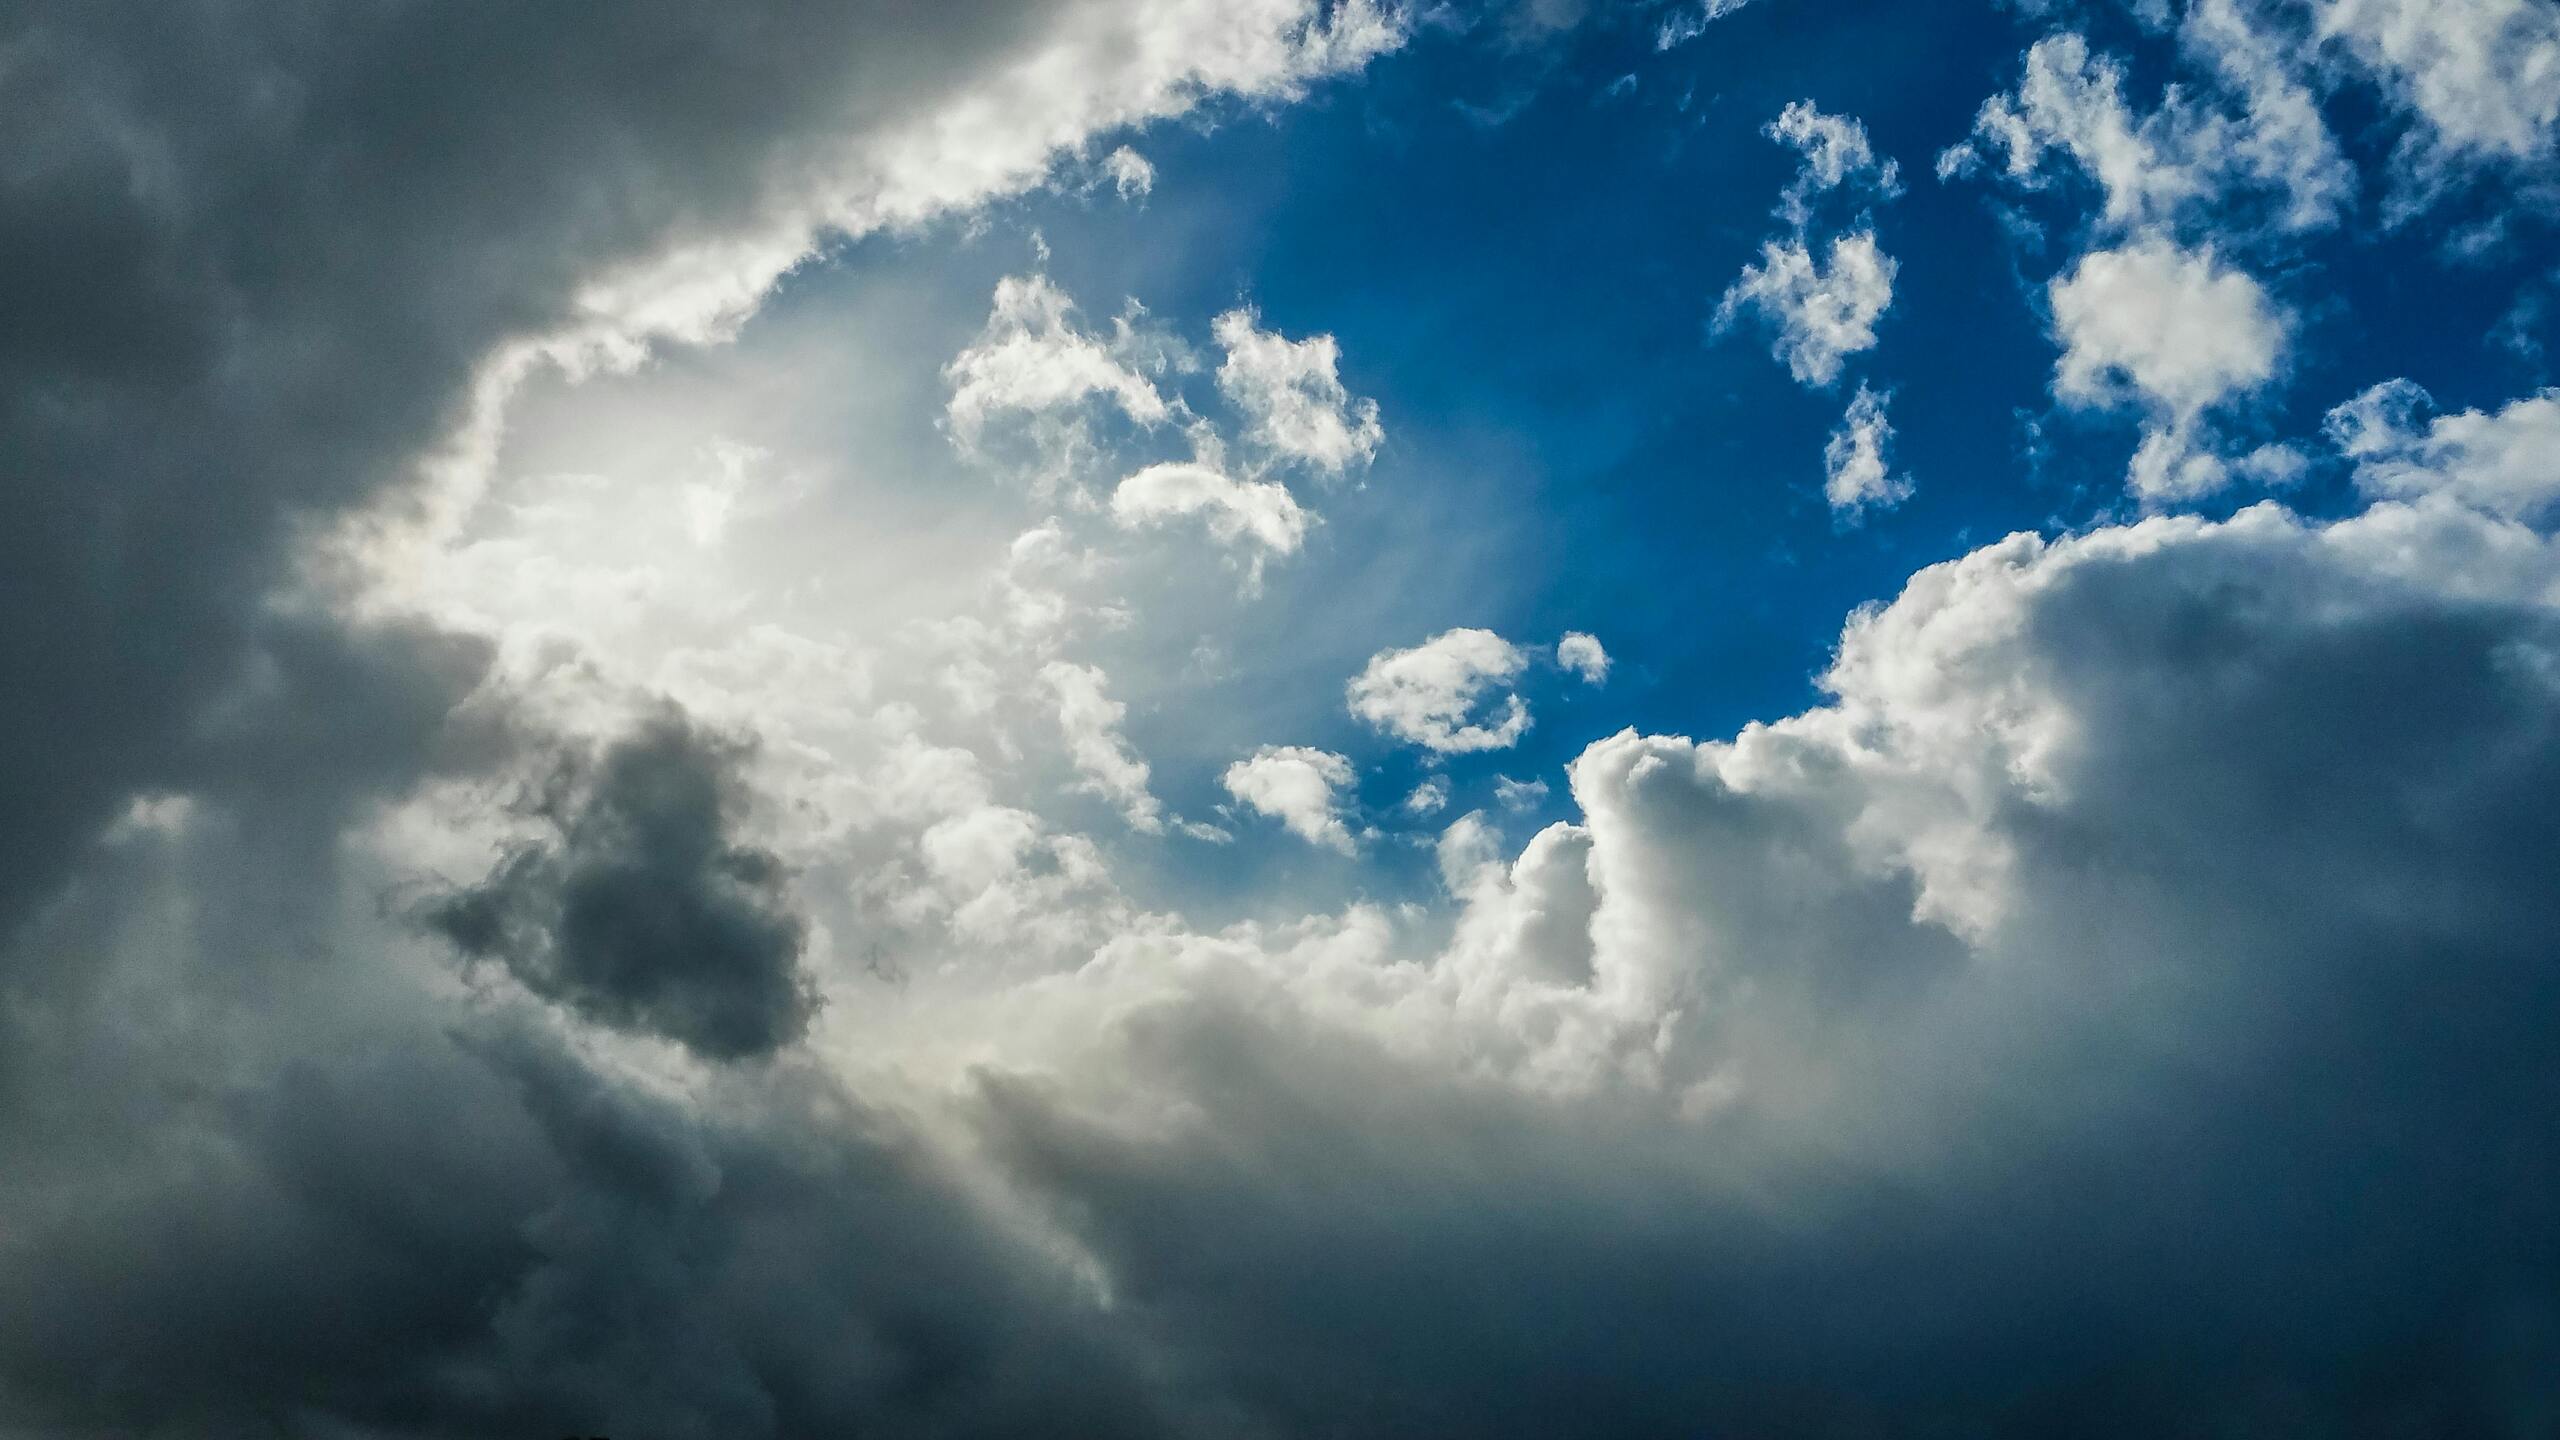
x,y
1259,513
1820,311
2176,164
1129,172
1583,655
1033,360
2506,462
2481,76
1090,719
1428,798
2178,332
1296,785
1836,153
1429,694
1292,397
1857,475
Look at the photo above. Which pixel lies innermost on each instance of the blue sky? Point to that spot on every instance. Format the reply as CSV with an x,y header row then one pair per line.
x,y
1280,718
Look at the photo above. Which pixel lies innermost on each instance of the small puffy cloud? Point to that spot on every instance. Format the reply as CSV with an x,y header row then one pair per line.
x,y
1430,694
1129,173
1836,153
1033,360
1292,397
2174,330
1090,720
639,908
2506,462
1582,654
1428,798
1258,513
1295,785
1856,473
1820,311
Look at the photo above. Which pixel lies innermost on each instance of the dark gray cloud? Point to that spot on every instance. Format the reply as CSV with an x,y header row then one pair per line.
x,y
641,910
2229,1118
254,255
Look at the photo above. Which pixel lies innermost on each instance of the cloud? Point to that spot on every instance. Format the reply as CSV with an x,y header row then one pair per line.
x,y
2178,165
2481,77
1822,311
1428,695
271,259
1090,719
1130,173
1836,153
1295,785
1257,513
1857,475
2506,462
1291,395
1033,361
1688,22
2177,331
638,908
1428,798
1583,655
1999,1032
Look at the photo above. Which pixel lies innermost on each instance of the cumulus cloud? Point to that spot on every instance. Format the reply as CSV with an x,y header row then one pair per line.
x,y
1857,475
2176,331
2084,915
1582,654
2481,77
1431,694
2506,462
2180,164
1295,785
1836,153
638,908
1257,513
1821,311
1291,395
1034,361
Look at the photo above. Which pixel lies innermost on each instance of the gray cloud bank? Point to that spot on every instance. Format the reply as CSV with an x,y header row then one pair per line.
x,y
2124,1009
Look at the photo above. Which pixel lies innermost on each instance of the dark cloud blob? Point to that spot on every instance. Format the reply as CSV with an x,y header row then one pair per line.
x,y
253,255
257,1189
641,911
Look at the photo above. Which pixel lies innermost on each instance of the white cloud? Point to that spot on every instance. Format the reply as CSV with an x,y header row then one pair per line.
x,y
1033,360
1691,21
1292,396
1517,795
1583,655
2506,462
2176,164
1429,694
2481,76
1296,785
1836,153
1259,513
1857,475
1821,312
2174,330
1090,719
1428,798
1129,173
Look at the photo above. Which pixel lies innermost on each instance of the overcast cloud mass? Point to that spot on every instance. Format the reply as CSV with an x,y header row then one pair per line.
x,y
1279,718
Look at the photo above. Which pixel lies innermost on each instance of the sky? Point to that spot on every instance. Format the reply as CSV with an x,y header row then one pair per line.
x,y
1279,718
